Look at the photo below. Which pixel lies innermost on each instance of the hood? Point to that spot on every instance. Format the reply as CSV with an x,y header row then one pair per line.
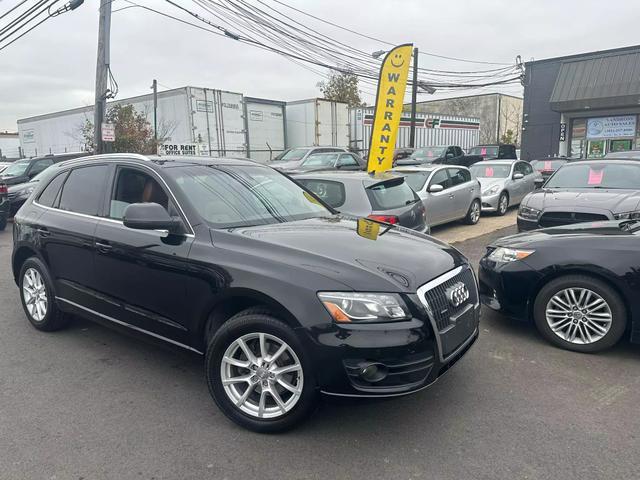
x,y
523,240
585,199
394,259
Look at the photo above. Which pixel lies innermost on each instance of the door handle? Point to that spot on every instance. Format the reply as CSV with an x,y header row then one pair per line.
x,y
43,232
103,247
451,195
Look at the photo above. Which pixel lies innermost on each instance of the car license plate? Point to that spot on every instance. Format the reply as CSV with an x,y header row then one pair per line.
x,y
462,327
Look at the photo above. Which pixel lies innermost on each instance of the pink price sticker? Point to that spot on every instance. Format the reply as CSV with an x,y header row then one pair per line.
x,y
430,153
488,172
483,151
595,177
547,165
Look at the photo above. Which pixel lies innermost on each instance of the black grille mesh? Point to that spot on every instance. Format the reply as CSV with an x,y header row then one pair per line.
x,y
556,219
437,299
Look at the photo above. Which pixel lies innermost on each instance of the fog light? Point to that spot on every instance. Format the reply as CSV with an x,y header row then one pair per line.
x,y
373,372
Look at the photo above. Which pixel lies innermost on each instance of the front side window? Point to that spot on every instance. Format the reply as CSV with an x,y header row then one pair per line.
x,y
441,178
40,166
240,196
330,192
459,176
135,186
83,190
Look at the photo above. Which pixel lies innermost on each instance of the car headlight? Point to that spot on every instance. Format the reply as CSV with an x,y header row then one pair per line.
x,y
627,215
529,213
491,190
346,307
506,255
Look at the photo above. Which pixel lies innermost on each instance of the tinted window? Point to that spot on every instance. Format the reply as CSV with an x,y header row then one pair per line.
x,y
528,169
330,192
459,176
50,193
520,167
441,178
83,190
348,161
458,151
227,197
134,186
596,175
416,180
39,166
392,194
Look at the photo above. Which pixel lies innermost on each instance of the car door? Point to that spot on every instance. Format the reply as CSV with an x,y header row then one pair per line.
x,y
347,161
462,189
439,205
142,274
530,176
66,229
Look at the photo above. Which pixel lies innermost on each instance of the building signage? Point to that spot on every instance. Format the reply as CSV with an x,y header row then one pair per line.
x,y
178,149
28,136
611,127
204,106
108,132
563,132
255,115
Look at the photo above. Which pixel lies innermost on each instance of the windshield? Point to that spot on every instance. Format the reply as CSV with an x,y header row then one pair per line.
x,y
484,151
428,152
294,154
596,175
232,196
320,160
416,180
16,169
490,170
547,165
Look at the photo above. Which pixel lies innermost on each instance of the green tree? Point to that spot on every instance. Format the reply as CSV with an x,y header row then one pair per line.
x,y
341,87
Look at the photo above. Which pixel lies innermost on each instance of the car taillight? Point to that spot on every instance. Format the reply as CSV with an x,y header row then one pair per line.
x,y
392,219
3,189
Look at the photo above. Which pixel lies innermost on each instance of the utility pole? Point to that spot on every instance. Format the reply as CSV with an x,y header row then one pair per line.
x,y
414,95
154,86
102,73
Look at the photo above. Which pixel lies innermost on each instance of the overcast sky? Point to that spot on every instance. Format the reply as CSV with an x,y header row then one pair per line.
x,y
53,67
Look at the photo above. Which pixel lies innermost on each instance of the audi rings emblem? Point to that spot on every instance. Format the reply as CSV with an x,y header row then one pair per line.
x,y
457,294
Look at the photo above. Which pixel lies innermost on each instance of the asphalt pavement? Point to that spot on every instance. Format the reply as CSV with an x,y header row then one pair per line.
x,y
92,403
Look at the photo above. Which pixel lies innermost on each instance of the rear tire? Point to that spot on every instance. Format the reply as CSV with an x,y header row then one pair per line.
x,y
264,400
3,223
591,325
473,215
38,297
503,204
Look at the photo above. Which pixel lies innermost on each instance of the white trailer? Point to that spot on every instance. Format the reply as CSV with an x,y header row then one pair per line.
x,y
317,122
212,121
431,129
265,125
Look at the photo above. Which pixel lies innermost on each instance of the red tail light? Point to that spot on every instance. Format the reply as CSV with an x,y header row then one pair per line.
x,y
392,219
3,189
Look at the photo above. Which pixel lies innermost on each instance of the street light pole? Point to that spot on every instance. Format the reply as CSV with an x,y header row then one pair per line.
x,y
102,72
154,86
414,95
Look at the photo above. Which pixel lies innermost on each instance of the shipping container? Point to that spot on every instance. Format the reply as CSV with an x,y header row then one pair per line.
x,y
9,146
265,126
210,122
317,122
430,130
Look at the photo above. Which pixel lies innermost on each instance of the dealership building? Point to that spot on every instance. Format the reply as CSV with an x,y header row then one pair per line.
x,y
582,105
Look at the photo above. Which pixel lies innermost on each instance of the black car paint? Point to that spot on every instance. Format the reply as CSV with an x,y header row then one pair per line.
x,y
29,173
181,287
604,250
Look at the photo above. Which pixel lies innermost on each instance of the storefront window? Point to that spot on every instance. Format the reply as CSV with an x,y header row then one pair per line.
x,y
578,135
596,149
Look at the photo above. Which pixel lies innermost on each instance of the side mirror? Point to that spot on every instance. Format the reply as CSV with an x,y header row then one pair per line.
x,y
539,182
518,176
150,216
435,188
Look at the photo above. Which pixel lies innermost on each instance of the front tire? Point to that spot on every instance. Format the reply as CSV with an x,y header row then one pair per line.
x,y
38,298
503,204
258,373
473,215
580,313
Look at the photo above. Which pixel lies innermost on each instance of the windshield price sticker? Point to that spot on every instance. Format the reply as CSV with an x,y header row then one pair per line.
x,y
595,176
488,172
547,165
483,151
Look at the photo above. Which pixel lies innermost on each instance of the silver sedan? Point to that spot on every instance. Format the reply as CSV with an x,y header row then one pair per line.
x,y
504,183
448,192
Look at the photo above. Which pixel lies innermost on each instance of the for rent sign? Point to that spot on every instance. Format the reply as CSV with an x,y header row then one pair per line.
x,y
178,149
389,101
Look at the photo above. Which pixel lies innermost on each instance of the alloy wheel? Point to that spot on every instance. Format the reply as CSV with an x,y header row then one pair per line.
x,y
579,315
475,212
503,204
34,293
262,375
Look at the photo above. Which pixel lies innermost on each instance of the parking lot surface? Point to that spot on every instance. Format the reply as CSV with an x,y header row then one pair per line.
x,y
92,403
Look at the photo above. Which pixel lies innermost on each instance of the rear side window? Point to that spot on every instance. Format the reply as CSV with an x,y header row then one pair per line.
x,y
330,192
391,194
50,193
84,189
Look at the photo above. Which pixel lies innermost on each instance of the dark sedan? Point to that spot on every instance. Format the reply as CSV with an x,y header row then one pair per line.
x,y
548,166
384,198
579,284
586,191
22,171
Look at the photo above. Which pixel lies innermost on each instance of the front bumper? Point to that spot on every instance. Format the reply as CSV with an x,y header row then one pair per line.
x,y
525,225
490,202
508,287
412,353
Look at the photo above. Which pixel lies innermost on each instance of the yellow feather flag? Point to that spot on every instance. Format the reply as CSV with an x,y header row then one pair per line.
x,y
389,101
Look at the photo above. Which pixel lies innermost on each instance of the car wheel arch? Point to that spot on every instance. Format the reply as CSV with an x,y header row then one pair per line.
x,y
20,256
223,308
597,274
